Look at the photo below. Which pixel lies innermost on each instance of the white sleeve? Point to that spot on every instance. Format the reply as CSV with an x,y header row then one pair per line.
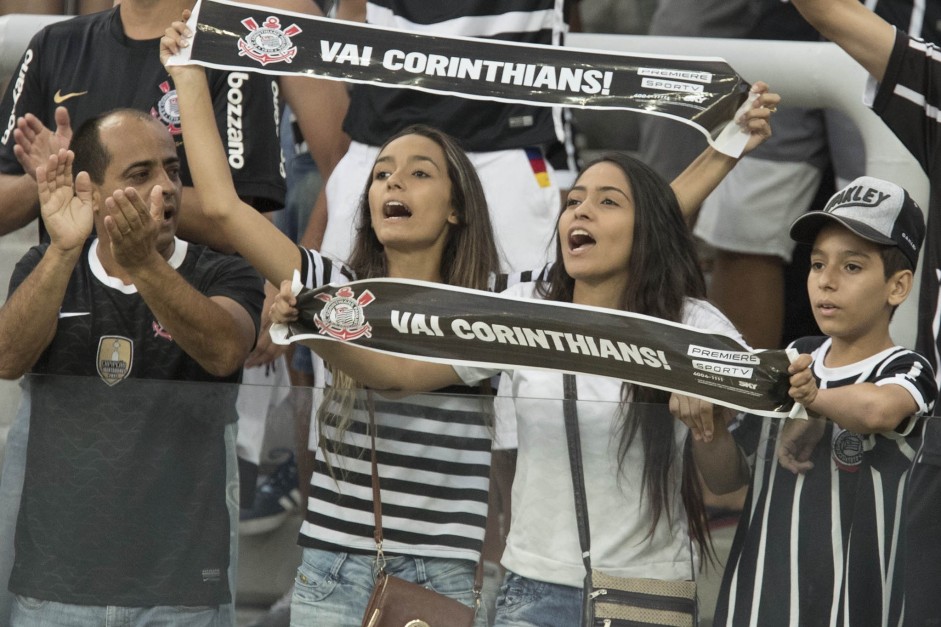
x,y
704,315
472,375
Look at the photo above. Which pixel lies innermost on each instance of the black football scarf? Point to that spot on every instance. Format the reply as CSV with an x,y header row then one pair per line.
x,y
701,91
445,324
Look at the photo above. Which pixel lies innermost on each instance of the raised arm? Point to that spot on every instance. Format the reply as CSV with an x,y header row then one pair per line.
x,y
33,144
378,371
319,106
848,23
216,331
249,232
29,317
705,173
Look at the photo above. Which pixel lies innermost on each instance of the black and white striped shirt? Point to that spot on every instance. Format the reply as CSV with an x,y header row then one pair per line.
x,y
434,464
920,18
822,548
909,101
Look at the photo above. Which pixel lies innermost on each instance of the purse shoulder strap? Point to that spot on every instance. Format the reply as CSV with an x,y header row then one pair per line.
x,y
376,492
573,438
377,501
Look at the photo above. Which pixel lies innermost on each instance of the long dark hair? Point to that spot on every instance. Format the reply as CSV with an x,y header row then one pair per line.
x,y
469,259
470,256
664,272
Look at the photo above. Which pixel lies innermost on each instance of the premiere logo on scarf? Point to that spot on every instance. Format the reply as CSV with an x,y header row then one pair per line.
x,y
445,324
700,91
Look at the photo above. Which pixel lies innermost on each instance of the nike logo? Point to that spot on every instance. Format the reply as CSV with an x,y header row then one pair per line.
x,y
73,314
59,97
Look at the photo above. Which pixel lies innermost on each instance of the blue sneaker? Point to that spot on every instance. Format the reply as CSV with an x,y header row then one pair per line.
x,y
276,498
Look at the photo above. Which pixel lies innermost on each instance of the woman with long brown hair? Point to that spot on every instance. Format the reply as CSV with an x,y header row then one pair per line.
x,y
423,216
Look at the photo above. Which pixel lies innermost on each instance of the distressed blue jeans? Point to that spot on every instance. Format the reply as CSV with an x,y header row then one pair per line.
x,y
526,602
332,589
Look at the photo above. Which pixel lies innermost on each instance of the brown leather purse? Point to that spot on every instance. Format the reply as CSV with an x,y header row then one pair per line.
x,y
396,602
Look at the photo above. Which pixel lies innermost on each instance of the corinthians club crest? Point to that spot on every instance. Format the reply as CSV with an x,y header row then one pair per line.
x,y
167,109
268,43
342,316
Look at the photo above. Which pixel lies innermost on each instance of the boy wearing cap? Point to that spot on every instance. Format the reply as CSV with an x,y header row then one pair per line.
x,y
818,542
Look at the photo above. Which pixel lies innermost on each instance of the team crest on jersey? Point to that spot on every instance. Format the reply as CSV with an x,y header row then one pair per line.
x,y
268,43
848,451
168,109
159,331
342,317
115,357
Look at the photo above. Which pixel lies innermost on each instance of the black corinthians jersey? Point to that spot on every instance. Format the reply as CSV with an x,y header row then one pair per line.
x,y
824,547
124,497
376,113
87,65
907,100
921,18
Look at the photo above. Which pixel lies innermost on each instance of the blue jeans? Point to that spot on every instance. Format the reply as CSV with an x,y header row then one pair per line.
x,y
332,589
30,612
529,603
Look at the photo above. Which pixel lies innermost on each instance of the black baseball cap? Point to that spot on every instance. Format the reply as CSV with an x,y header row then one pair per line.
x,y
874,209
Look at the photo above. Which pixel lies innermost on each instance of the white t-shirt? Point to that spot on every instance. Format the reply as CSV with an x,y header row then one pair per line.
x,y
543,541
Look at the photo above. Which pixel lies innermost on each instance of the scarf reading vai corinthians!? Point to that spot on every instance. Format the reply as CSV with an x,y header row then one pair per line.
x,y
703,92
452,325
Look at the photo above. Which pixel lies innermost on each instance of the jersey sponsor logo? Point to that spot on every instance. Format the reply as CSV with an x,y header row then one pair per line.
x,y
211,575
17,92
115,357
59,97
233,120
848,451
275,95
268,43
159,331
167,109
342,316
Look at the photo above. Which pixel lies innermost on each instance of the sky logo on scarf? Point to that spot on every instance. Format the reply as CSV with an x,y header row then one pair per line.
x,y
268,43
342,317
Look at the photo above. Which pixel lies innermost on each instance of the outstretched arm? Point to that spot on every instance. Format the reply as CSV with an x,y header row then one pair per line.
x,y
715,452
378,371
861,407
29,318
319,106
848,23
34,144
250,233
705,173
